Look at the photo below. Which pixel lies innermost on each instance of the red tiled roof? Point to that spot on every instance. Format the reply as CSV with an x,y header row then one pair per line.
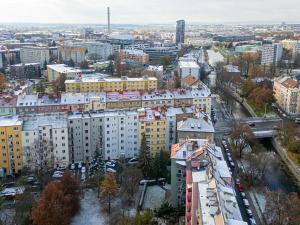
x,y
190,80
290,83
8,101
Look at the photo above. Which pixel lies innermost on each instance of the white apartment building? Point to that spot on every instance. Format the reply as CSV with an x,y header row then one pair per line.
x,y
56,70
74,52
98,50
114,134
271,53
33,54
45,140
188,67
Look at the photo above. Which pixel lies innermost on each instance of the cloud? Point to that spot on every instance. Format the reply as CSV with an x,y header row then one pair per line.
x,y
150,11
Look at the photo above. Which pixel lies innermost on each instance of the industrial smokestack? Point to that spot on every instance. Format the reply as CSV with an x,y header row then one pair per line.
x,y
108,20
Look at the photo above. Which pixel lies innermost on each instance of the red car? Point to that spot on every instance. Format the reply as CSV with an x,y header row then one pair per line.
x,y
240,187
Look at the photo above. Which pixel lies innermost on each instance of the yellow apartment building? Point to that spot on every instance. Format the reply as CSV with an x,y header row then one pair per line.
x,y
286,93
11,145
93,84
153,124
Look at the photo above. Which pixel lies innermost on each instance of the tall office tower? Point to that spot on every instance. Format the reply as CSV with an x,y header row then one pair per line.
x,y
108,20
271,54
180,29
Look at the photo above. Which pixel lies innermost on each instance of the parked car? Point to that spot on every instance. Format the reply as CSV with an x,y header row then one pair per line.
x,y
232,165
72,166
249,212
83,169
252,221
58,174
79,165
243,194
110,164
111,170
133,161
229,159
228,154
61,168
246,203
251,124
237,181
240,187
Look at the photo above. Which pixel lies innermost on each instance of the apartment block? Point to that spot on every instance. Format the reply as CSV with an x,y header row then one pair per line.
x,y
114,134
11,161
201,180
76,53
123,100
137,56
93,84
26,71
188,68
34,54
57,70
98,50
45,141
287,94
198,127
271,53
153,124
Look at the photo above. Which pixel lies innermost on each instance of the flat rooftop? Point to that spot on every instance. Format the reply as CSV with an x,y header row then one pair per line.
x,y
7,121
62,68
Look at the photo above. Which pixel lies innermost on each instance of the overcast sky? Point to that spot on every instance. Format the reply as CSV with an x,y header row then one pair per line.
x,y
150,11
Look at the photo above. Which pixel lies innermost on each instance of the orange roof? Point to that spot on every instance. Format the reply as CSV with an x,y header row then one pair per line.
x,y
190,80
290,83
174,149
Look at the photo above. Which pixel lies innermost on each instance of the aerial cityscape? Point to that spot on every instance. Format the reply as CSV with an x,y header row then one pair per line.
x,y
149,113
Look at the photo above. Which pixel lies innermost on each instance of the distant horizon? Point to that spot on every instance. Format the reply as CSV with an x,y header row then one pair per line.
x,y
150,12
257,22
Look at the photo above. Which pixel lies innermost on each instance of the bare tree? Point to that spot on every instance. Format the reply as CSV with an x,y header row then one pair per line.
x,y
241,135
39,157
258,165
282,209
130,178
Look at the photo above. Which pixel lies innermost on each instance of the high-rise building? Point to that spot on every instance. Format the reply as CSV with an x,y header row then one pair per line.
x,y
180,29
271,53
72,52
34,54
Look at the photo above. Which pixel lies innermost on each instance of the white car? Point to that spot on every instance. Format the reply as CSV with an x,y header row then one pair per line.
x,y
79,165
72,166
249,212
243,195
246,203
252,221
83,169
111,170
58,174
110,164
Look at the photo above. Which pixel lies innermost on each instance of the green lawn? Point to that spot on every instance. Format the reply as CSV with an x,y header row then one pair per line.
x,y
260,111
